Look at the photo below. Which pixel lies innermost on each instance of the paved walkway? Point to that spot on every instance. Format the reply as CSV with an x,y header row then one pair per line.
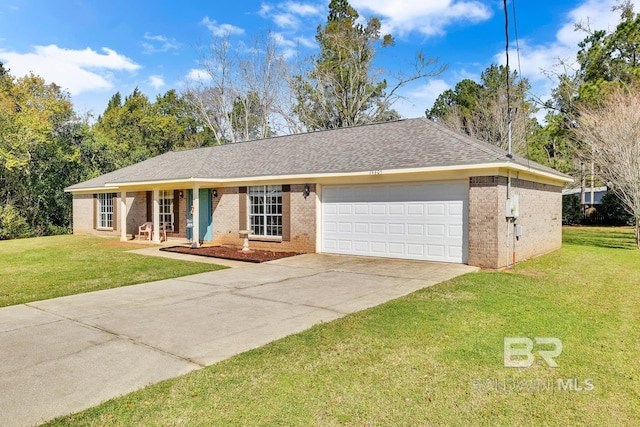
x,y
63,355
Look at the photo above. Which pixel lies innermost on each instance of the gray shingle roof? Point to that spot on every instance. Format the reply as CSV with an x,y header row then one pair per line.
x,y
402,144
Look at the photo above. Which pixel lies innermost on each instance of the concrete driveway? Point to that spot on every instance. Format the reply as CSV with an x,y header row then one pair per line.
x,y
66,354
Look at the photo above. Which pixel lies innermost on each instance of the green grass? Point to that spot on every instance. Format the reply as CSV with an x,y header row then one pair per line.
x,y
48,267
418,360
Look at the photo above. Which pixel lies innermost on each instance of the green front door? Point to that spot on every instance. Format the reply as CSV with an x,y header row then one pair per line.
x,y
206,215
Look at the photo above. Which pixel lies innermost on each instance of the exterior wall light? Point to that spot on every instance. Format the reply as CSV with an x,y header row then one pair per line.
x,y
307,191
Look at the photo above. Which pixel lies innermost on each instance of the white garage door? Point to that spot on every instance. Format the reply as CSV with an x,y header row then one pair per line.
x,y
422,221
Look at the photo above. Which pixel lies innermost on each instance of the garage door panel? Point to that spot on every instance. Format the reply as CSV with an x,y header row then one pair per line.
x,y
378,247
415,221
345,245
330,226
330,245
415,250
378,209
378,228
455,251
396,248
329,209
345,209
436,251
415,209
361,209
416,230
455,231
361,227
455,209
396,209
436,209
436,230
396,229
361,246
345,227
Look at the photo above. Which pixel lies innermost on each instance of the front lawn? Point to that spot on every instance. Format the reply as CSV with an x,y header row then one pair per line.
x,y
48,267
435,357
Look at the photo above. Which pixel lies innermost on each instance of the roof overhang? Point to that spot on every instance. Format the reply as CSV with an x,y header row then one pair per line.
x,y
435,172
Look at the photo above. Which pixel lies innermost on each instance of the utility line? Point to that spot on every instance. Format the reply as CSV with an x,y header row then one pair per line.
x,y
506,31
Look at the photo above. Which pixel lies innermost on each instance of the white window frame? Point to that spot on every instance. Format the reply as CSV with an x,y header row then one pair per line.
x,y
166,208
264,210
105,211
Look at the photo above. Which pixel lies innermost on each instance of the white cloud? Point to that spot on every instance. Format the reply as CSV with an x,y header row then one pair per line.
x,y
291,47
288,14
221,30
265,10
302,9
77,71
156,81
198,74
427,17
158,43
416,99
285,20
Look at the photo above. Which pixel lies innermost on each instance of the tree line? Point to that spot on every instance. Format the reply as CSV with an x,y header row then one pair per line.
x,y
255,92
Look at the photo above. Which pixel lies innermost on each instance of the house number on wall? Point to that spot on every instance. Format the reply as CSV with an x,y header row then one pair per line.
x,y
375,172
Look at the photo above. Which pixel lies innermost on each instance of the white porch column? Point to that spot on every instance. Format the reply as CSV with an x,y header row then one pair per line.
x,y
123,216
156,215
196,216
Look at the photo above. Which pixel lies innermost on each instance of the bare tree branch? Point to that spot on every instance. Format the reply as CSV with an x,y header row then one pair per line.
x,y
612,132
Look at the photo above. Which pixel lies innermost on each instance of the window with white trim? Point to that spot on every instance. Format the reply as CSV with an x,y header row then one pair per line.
x,y
265,210
166,207
105,210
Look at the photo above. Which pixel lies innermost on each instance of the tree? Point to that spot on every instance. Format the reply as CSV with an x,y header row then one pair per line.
x,y
456,108
609,58
481,109
612,131
341,88
242,96
37,159
139,129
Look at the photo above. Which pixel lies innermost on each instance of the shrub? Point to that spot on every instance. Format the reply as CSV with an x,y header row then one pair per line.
x,y
614,211
12,224
571,209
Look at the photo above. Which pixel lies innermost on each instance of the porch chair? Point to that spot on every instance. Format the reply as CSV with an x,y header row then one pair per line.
x,y
146,228
164,227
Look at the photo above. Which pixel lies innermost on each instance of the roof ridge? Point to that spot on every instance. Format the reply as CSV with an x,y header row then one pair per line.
x,y
319,131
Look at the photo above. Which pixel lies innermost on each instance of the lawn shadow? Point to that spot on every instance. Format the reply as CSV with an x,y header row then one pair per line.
x,y
602,237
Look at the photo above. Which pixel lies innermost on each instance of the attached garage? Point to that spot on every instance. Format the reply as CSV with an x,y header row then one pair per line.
x,y
420,221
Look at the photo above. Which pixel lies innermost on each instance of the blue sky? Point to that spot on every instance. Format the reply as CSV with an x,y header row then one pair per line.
x,y
94,48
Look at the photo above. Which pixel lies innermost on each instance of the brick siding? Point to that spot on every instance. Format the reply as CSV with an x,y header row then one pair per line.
x,y
491,235
226,223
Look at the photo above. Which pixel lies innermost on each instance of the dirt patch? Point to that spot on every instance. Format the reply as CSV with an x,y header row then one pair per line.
x,y
235,254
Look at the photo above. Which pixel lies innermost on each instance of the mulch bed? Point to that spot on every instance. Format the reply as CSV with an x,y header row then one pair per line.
x,y
226,252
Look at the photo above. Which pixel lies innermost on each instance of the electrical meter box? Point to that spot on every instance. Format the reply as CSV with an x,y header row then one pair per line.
x,y
512,209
